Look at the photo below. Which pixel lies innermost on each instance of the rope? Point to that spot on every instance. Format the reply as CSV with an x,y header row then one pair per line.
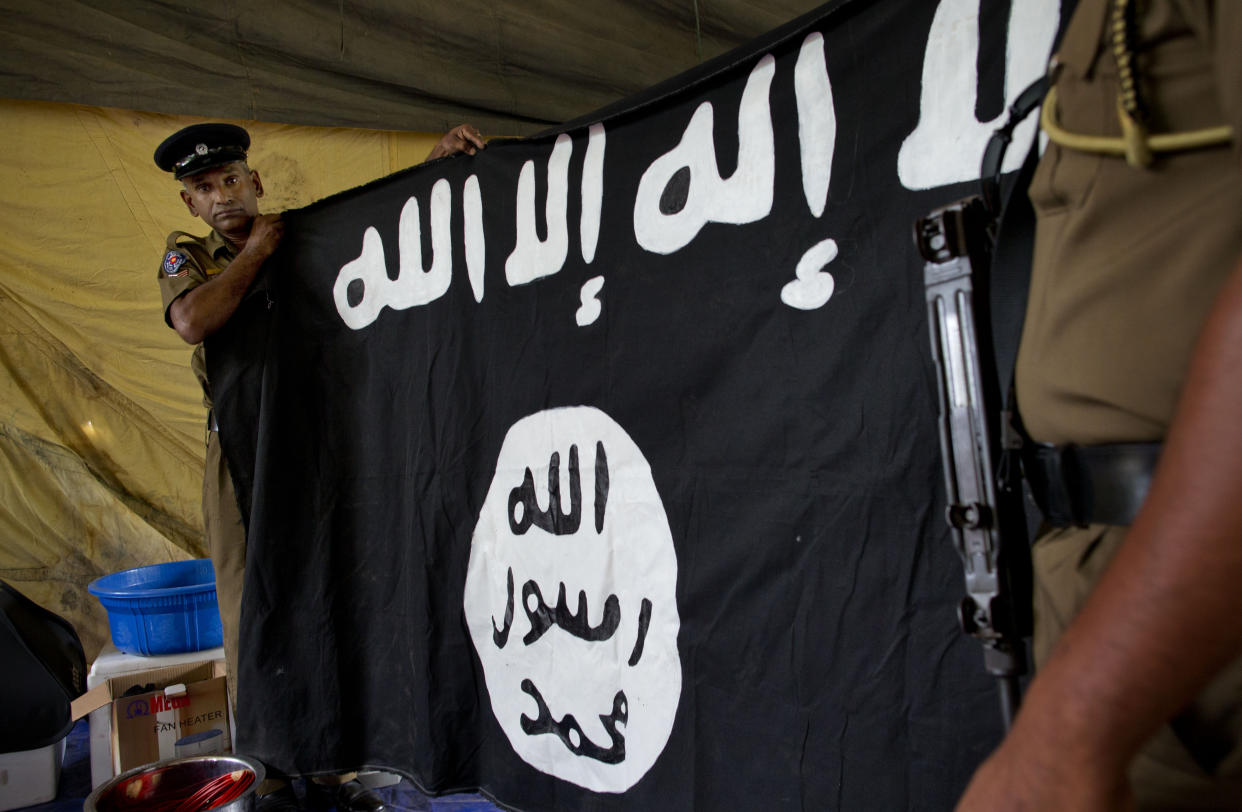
x,y
1135,143
1131,111
1115,145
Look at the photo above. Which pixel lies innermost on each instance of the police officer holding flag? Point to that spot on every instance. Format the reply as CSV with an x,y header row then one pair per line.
x,y
202,282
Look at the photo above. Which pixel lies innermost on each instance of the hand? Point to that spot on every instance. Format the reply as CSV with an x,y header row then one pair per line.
x,y
265,234
462,138
1024,782
201,311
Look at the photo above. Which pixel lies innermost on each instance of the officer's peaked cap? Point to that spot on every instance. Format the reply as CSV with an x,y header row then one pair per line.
x,y
201,146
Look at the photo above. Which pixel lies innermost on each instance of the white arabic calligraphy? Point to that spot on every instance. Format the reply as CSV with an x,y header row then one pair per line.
x,y
681,190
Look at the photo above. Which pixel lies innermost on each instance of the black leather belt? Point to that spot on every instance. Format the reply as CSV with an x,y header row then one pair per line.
x,y
1093,484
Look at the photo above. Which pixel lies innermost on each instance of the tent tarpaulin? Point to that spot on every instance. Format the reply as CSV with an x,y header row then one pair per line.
x,y
101,421
509,66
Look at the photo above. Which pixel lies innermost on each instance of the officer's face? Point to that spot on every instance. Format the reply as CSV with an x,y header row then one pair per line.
x,y
226,197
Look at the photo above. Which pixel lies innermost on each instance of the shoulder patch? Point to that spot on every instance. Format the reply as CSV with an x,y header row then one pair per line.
x,y
174,263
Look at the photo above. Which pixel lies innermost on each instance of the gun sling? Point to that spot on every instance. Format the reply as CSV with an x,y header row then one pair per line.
x,y
1099,484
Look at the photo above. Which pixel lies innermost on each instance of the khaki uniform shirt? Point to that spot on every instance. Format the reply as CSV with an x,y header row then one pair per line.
x,y
1128,261
1127,264
188,262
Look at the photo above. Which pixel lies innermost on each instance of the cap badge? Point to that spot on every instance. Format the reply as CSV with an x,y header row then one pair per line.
x,y
201,149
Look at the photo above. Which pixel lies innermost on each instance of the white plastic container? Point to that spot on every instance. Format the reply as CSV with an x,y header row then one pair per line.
x,y
205,743
30,777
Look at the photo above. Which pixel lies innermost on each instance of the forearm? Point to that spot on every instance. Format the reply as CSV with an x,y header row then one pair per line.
x,y
1160,623
203,310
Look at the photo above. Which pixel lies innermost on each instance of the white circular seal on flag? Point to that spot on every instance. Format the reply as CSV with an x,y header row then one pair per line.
x,y
571,600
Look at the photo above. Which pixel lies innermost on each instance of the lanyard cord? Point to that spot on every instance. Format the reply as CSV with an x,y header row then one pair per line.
x,y
1135,143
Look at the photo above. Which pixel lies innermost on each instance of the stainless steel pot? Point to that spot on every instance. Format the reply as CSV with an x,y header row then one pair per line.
x,y
174,778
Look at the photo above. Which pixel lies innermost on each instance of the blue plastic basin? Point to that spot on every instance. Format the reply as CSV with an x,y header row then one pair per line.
x,y
162,608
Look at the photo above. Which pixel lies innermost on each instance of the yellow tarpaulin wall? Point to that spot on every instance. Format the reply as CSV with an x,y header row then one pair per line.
x,y
101,421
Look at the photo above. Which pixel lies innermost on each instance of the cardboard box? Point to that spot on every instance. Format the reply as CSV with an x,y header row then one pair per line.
x,y
162,713
112,662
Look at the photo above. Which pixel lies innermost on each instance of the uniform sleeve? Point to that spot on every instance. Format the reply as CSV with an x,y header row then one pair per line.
x,y
180,272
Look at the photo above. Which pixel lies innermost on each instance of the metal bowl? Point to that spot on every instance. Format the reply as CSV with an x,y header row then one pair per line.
x,y
169,780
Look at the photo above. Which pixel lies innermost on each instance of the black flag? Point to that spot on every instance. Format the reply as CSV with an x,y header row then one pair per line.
x,y
600,470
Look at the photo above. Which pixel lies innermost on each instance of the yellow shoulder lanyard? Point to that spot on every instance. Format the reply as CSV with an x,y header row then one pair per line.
x,y
1135,143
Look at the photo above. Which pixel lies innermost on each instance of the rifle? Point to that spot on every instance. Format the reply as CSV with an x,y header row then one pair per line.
x,y
985,511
